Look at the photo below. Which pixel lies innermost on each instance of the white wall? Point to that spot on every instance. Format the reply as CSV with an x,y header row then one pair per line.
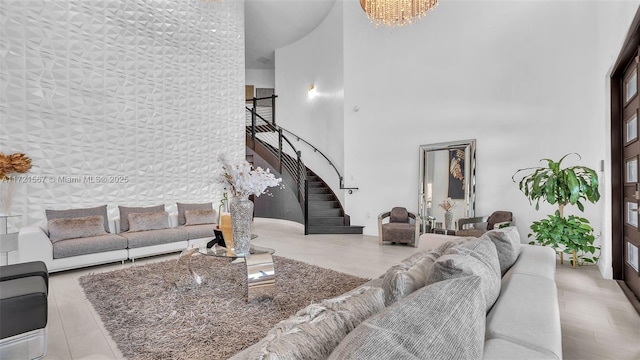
x,y
512,75
315,59
261,78
143,94
614,19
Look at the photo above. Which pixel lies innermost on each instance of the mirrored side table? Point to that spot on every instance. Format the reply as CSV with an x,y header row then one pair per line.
x,y
9,230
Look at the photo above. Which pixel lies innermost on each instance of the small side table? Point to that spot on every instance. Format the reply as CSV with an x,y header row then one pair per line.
x,y
9,230
444,231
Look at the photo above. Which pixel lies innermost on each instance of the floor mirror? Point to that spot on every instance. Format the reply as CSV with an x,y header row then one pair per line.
x,y
447,171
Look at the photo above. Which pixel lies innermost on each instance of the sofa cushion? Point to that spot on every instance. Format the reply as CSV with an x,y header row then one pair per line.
x,y
531,256
498,349
527,313
198,231
23,305
200,217
477,257
73,228
125,211
399,232
154,237
88,245
313,332
148,221
444,320
182,207
82,212
507,242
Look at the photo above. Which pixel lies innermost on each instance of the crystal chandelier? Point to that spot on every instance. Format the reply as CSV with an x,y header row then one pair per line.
x,y
396,12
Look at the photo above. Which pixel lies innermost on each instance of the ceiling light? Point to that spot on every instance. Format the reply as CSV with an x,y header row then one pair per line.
x,y
396,12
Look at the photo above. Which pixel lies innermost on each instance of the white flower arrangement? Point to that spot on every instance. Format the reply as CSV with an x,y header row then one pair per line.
x,y
447,204
243,180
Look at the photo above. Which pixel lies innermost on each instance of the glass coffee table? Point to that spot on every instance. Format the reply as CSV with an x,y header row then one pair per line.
x,y
261,274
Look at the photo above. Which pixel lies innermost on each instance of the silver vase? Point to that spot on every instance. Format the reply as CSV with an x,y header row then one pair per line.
x,y
448,220
241,216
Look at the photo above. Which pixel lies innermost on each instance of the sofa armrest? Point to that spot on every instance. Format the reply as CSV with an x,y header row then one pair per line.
x,y
34,245
22,270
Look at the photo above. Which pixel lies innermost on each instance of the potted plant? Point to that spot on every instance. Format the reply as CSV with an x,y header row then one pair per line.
x,y
562,186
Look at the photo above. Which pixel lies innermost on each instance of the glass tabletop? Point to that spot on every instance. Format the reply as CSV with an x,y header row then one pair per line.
x,y
220,251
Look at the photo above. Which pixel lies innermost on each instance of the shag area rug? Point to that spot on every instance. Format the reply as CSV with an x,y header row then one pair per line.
x,y
150,318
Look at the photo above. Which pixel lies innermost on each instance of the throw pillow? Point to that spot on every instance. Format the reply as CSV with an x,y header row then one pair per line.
x,y
200,217
408,276
74,228
77,213
507,242
482,249
125,211
445,320
184,207
316,330
476,258
148,221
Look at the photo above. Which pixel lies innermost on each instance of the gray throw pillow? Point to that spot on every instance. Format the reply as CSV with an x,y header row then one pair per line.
x,y
444,320
148,221
184,207
200,217
74,228
477,257
77,213
507,242
408,276
125,211
313,332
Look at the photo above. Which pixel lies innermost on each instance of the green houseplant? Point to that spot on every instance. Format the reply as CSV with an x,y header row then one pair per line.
x,y
562,186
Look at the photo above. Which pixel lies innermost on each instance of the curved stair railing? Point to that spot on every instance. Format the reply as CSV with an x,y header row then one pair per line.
x,y
270,142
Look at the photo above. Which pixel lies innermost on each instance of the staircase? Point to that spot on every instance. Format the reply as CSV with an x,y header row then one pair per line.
x,y
324,212
322,209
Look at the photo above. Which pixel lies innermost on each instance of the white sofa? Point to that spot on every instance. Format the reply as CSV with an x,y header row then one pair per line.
x,y
35,245
459,300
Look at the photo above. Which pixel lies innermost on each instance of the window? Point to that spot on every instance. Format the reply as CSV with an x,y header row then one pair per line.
x,y
632,214
631,86
632,170
631,128
632,256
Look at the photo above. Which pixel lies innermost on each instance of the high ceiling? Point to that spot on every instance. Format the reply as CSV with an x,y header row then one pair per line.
x,y
270,24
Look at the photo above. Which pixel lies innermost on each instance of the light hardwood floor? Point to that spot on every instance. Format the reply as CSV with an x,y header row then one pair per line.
x,y
597,320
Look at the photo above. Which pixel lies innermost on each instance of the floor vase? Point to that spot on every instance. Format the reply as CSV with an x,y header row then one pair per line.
x,y
241,216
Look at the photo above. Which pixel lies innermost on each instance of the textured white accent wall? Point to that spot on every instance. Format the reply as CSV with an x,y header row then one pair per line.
x,y
120,102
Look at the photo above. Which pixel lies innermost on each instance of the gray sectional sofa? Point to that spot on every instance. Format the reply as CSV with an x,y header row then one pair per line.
x,y
84,237
484,298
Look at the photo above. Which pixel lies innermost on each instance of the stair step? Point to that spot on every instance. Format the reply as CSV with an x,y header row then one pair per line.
x,y
316,184
321,205
335,229
321,197
331,221
319,191
325,212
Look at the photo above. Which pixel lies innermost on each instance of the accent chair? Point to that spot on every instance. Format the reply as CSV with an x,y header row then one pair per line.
x,y
402,227
476,226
